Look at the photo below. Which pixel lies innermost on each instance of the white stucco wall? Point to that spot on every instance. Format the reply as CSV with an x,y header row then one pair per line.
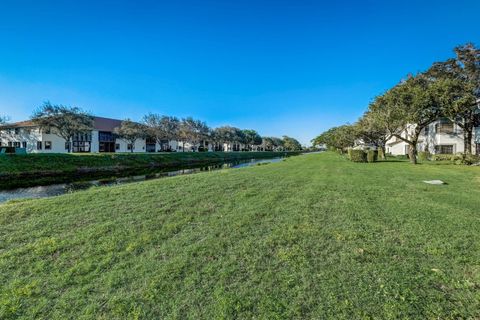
x,y
28,135
435,139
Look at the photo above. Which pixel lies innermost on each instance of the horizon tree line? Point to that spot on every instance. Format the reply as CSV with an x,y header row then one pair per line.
x,y
448,89
68,121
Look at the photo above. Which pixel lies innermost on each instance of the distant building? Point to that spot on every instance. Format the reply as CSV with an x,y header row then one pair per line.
x,y
26,134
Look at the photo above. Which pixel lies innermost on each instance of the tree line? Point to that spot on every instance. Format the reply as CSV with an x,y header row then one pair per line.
x,y
448,89
69,121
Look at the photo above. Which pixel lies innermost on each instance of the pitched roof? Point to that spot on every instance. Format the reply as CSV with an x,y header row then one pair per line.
x,y
27,123
99,123
105,124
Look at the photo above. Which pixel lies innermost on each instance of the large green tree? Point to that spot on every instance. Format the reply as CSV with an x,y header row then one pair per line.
x,y
339,138
406,109
267,143
370,132
131,131
251,138
161,128
229,135
276,143
63,121
193,131
458,88
291,144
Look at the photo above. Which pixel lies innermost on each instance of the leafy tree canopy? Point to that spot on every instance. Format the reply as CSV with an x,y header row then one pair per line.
x,y
291,144
130,131
65,121
341,137
161,127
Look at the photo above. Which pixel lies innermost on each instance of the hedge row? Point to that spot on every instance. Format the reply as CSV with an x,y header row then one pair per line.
x,y
457,158
362,156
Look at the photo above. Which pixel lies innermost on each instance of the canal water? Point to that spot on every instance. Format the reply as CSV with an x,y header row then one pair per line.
x,y
63,188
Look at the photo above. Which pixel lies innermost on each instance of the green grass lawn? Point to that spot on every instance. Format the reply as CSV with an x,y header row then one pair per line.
x,y
315,236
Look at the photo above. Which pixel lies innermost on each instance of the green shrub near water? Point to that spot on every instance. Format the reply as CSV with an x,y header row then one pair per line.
x,y
372,156
358,156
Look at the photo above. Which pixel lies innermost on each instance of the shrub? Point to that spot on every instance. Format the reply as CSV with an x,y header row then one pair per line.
x,y
423,155
372,156
358,156
471,159
349,153
447,157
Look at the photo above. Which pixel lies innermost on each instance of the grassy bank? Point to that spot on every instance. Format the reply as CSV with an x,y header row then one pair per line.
x,y
41,169
315,236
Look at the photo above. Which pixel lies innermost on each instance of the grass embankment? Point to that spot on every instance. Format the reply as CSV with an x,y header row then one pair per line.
x,y
314,236
38,169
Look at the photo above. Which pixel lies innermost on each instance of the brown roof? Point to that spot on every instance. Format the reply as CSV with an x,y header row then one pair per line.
x,y
27,123
99,123
105,124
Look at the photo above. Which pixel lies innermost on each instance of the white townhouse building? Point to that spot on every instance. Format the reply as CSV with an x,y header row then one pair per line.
x,y
26,134
439,137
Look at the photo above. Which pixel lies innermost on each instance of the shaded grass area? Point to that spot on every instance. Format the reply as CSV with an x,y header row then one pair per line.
x,y
43,169
314,236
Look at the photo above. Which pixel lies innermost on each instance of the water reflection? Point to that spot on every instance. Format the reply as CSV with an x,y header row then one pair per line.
x,y
59,189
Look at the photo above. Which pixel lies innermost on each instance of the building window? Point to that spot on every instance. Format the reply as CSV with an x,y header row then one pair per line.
x,y
105,136
48,145
10,143
24,144
129,146
16,144
427,130
17,130
39,145
444,149
82,137
67,145
81,146
445,126
117,146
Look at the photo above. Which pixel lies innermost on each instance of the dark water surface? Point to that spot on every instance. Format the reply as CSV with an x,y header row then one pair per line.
x,y
63,188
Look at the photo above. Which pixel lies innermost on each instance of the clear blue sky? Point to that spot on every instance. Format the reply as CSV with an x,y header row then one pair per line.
x,y
281,67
